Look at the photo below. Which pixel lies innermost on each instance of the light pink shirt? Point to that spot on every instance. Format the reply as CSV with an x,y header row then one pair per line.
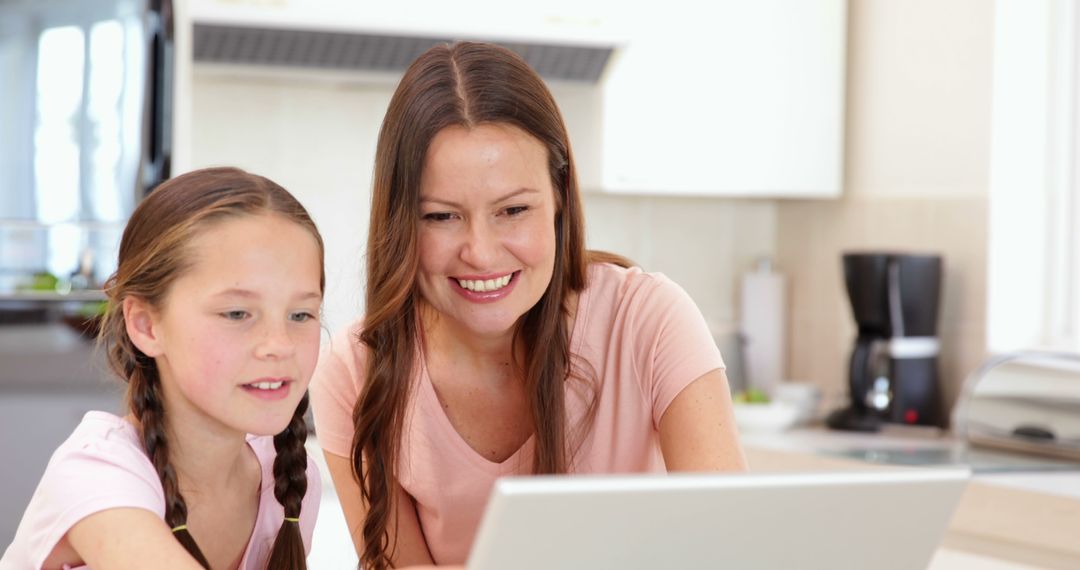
x,y
645,341
102,466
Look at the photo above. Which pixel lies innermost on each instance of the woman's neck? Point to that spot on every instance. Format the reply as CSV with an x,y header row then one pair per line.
x,y
448,339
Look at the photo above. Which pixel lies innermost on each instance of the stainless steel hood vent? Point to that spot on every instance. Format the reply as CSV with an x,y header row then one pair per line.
x,y
345,51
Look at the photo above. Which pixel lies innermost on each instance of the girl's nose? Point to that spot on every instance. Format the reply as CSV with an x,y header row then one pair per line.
x,y
275,343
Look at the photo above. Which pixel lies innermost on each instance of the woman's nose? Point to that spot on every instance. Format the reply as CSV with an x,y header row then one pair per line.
x,y
481,245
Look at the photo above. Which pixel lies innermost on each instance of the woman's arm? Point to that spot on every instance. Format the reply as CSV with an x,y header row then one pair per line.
x,y
404,527
122,538
697,431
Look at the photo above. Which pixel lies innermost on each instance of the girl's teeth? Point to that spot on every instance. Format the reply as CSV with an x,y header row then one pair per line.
x,y
482,285
267,385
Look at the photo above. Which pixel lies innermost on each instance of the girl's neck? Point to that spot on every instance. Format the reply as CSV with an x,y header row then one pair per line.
x,y
206,456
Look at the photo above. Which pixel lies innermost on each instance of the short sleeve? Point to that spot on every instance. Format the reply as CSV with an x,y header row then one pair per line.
x,y
673,343
84,478
335,388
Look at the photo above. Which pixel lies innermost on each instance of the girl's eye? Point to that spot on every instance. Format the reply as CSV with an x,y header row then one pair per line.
x,y
439,216
301,317
516,210
235,315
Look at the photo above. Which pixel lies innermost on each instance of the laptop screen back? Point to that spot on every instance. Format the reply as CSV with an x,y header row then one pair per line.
x,y
881,519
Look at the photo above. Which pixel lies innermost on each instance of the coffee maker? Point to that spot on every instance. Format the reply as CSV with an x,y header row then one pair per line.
x,y
893,371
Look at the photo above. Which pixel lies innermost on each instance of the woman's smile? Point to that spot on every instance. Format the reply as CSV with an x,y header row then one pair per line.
x,y
484,289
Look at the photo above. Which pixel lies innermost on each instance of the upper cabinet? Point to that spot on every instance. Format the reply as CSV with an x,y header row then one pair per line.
x,y
715,98
727,98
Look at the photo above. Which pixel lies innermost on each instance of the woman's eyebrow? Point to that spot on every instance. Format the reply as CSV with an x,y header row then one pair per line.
x,y
503,198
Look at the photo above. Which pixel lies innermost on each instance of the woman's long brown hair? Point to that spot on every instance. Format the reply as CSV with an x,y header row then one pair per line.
x,y
465,84
153,254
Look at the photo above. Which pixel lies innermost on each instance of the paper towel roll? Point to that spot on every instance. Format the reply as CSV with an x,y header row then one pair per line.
x,y
762,325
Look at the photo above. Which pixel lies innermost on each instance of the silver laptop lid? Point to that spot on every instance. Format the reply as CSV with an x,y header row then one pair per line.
x,y
882,519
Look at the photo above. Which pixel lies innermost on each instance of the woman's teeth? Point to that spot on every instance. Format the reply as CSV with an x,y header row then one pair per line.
x,y
483,285
266,385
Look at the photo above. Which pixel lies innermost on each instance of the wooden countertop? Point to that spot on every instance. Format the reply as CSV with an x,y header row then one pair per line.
x,y
1019,528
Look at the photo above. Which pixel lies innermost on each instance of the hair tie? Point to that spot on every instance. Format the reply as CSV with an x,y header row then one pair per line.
x,y
179,528
292,519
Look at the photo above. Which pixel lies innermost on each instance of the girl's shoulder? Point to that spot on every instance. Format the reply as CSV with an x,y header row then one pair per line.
x,y
104,436
270,511
100,466
263,446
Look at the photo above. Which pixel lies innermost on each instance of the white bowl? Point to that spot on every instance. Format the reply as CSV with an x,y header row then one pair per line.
x,y
771,417
803,396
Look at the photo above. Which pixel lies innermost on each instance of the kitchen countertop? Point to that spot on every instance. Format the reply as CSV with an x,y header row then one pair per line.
x,y
51,357
1005,519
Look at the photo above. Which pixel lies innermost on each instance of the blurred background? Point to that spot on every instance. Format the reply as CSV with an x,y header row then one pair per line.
x,y
740,147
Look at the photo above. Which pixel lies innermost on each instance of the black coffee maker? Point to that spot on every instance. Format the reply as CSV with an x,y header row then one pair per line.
x,y
893,373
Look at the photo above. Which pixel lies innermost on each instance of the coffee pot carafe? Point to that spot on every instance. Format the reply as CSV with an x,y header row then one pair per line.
x,y
892,376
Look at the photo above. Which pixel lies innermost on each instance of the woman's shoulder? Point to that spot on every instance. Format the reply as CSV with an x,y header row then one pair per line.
x,y
344,354
619,286
346,339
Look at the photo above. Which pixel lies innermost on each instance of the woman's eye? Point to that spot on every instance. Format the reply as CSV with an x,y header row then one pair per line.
x,y
235,315
439,216
515,210
301,317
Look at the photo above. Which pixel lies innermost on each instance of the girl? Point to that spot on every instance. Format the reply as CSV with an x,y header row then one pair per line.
x,y
213,323
494,343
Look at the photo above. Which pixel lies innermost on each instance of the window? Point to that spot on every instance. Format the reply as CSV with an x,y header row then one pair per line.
x,y
1034,249
71,126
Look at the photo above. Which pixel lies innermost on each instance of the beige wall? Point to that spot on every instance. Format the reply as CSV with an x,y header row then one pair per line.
x,y
916,178
317,138
917,162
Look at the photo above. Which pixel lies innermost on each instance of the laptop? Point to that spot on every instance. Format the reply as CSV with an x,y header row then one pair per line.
x,y
885,519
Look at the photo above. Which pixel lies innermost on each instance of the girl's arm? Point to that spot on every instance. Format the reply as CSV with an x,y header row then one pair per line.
x,y
122,538
411,548
697,431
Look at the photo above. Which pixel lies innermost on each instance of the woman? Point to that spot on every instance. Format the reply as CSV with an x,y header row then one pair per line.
x,y
494,344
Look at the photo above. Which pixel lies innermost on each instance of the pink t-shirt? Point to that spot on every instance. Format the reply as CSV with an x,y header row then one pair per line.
x,y
102,466
641,334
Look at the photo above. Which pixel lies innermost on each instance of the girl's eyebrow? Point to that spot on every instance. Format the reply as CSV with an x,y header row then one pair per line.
x,y
248,294
235,292
504,198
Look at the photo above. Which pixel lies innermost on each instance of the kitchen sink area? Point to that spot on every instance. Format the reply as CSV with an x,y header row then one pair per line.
x,y
980,461
918,447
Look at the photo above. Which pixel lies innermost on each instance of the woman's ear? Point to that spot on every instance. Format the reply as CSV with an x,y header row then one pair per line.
x,y
141,322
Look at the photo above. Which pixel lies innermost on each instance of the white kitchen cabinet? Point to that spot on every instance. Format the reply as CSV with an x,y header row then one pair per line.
x,y
717,98
728,98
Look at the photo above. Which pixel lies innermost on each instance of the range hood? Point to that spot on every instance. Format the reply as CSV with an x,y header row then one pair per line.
x,y
384,36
